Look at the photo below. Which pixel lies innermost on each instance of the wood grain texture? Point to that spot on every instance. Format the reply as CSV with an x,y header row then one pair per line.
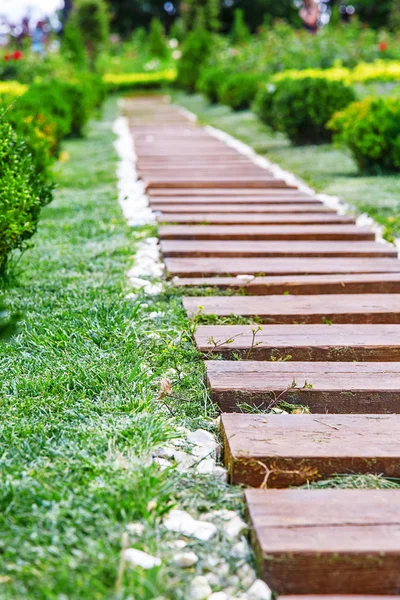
x,y
325,387
357,308
375,283
280,219
279,266
258,249
327,541
197,182
231,200
302,342
266,232
276,451
299,208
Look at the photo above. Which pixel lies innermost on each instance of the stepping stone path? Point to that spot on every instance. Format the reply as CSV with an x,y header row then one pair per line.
x,y
307,316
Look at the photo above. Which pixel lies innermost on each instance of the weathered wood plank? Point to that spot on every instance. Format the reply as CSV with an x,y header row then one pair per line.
x,y
276,451
357,308
223,192
337,597
244,208
301,342
231,200
282,266
258,249
338,387
215,182
327,541
281,219
265,232
374,283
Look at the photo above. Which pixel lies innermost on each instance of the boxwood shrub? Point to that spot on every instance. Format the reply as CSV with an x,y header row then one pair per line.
x,y
209,82
23,192
301,108
371,130
238,90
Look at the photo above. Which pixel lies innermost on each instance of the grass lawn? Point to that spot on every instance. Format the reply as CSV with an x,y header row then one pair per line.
x,y
327,169
79,409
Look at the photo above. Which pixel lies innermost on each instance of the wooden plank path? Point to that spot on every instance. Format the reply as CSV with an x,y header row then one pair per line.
x,y
257,452
323,387
328,296
365,308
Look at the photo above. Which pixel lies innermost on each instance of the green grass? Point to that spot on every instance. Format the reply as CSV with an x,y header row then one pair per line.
x,y
326,168
79,408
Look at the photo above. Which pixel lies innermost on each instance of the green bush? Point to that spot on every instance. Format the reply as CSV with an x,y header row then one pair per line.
x,y
23,192
240,32
195,52
371,130
301,108
239,90
48,99
209,81
156,40
263,105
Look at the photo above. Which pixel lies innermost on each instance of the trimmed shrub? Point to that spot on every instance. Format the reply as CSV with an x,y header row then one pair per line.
x,y
195,52
23,192
240,32
239,90
301,108
209,82
47,99
371,130
156,40
119,82
263,106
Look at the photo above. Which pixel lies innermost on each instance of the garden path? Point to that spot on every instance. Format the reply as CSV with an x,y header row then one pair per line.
x,y
329,297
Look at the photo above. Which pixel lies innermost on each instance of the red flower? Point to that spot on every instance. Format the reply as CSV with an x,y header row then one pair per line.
x,y
17,55
7,57
383,46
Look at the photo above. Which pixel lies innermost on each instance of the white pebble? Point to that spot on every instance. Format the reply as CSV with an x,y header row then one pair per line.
x,y
185,559
247,575
163,463
178,544
259,591
135,528
212,579
221,473
199,589
185,461
235,527
200,437
182,522
218,596
240,550
137,558
204,451
206,467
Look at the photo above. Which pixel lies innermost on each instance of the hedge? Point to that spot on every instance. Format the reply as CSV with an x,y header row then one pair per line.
x,y
117,82
371,130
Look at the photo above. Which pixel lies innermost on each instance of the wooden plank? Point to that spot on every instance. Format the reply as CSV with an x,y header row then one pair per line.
x,y
258,249
214,182
301,342
325,387
357,308
255,219
327,541
222,192
277,451
230,200
282,266
265,232
374,283
244,208
337,597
